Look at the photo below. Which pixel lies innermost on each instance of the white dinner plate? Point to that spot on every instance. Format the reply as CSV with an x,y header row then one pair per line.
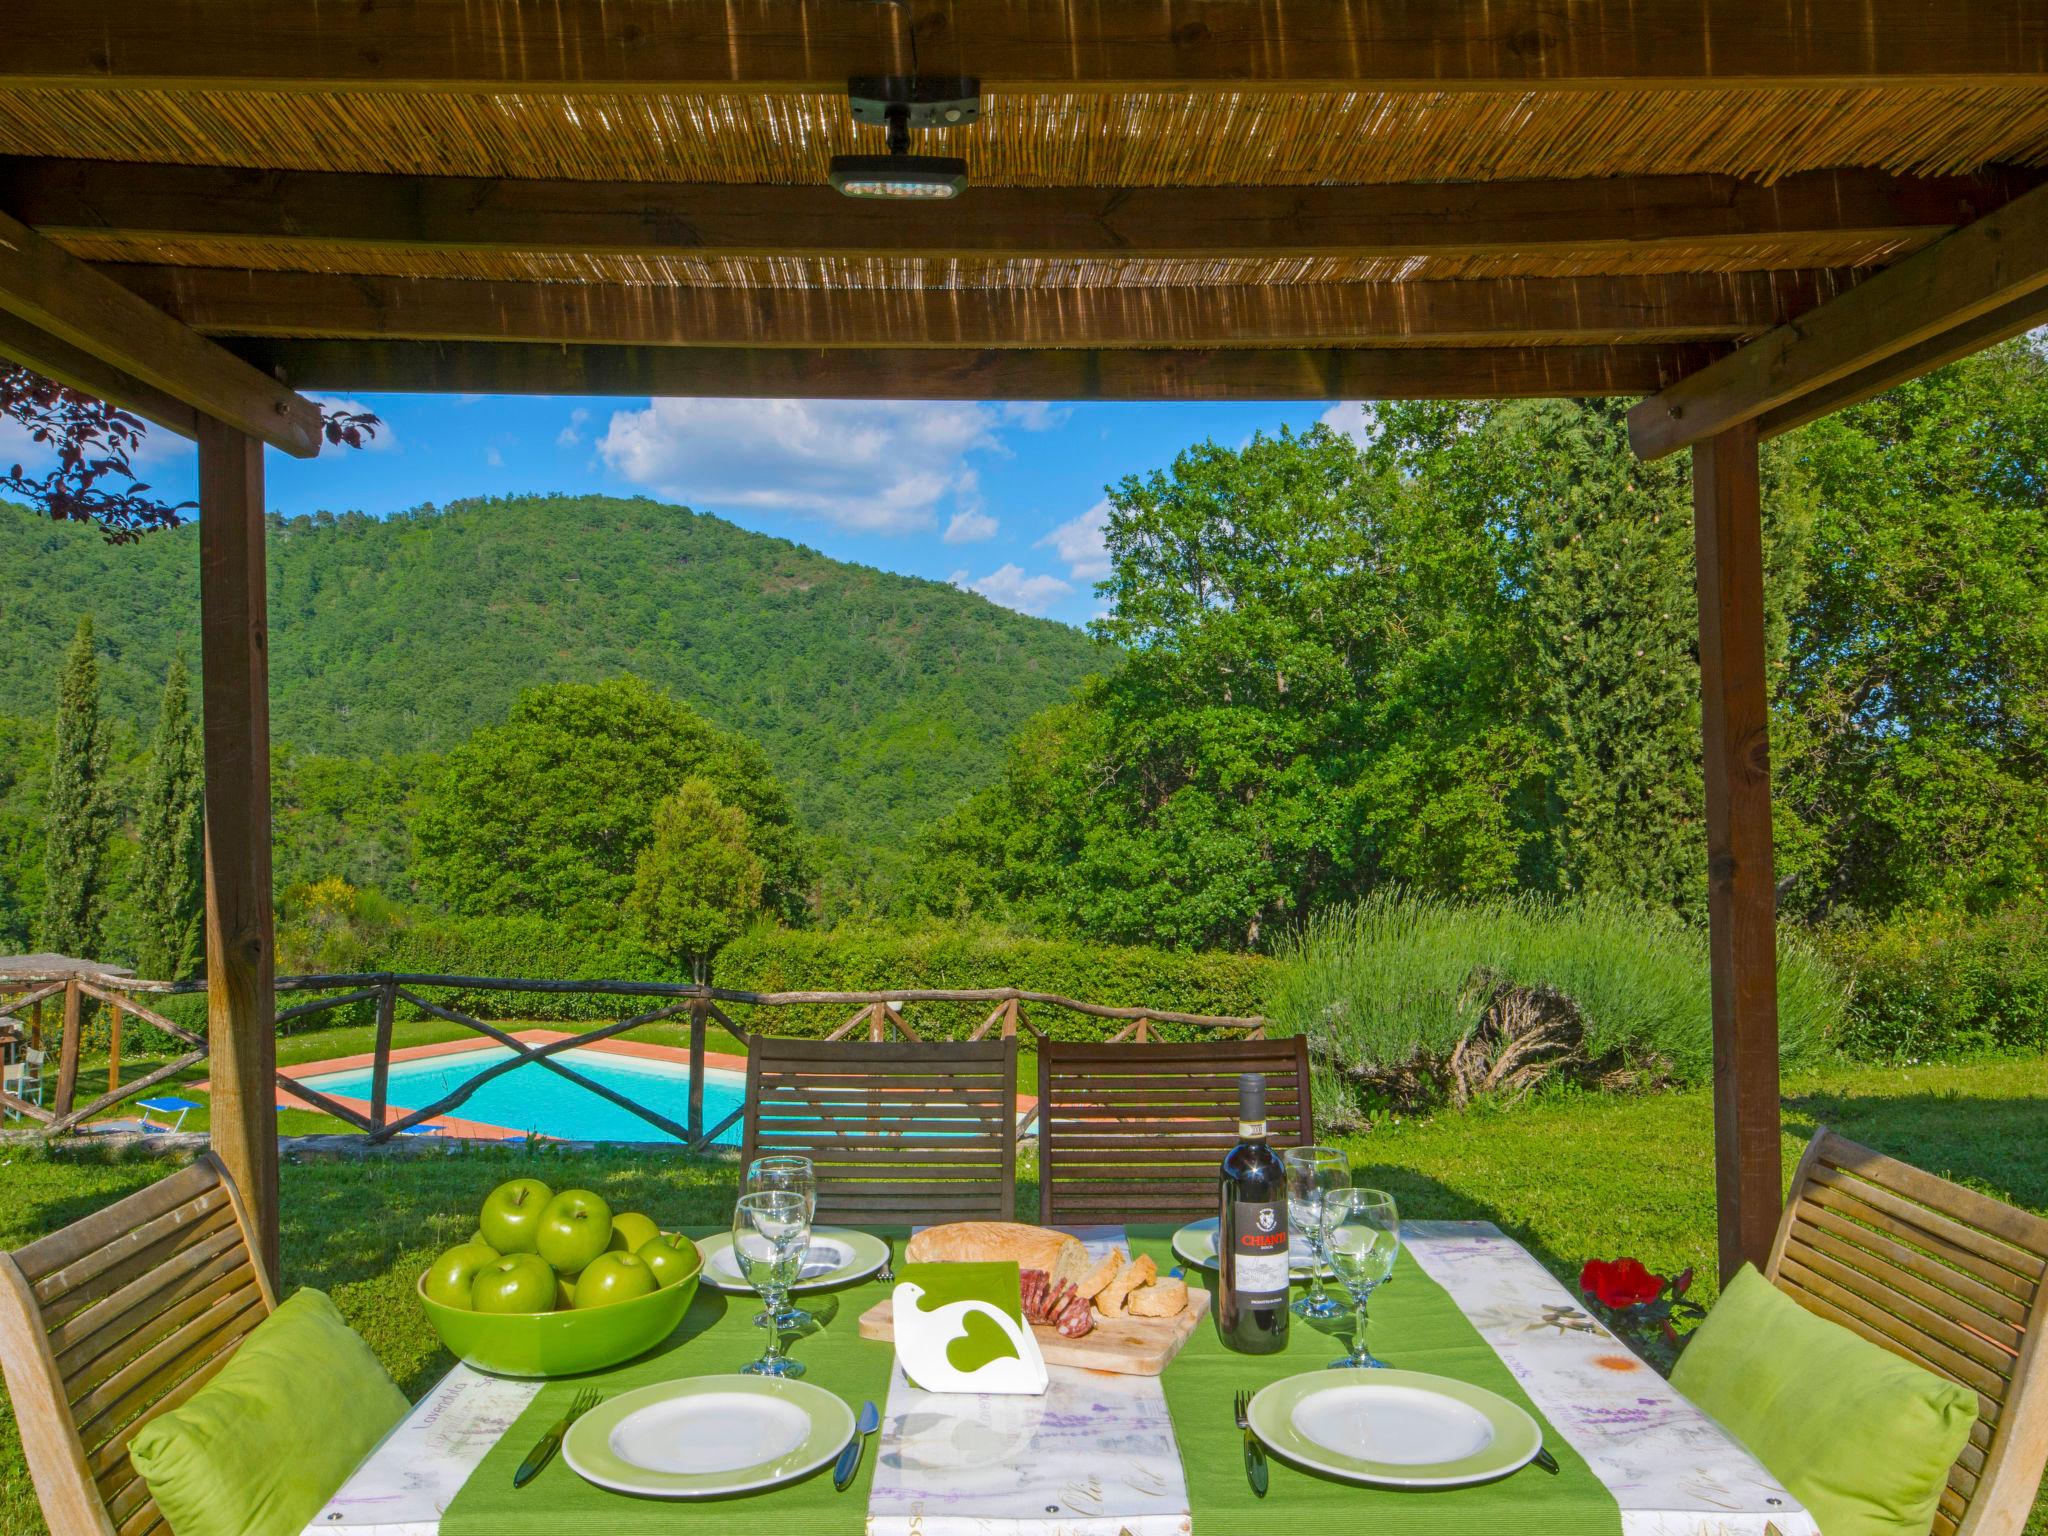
x,y
836,1255
708,1435
1398,1429
1196,1245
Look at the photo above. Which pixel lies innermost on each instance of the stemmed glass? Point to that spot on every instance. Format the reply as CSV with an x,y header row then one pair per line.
x,y
771,1232
796,1176
1364,1234
1315,1175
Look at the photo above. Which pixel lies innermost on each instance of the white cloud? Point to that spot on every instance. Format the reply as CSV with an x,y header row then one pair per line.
x,y
1079,543
1036,415
386,440
1010,586
1356,419
870,466
494,458
970,528
572,434
17,447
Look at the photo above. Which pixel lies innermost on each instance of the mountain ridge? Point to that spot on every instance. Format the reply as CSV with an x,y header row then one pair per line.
x,y
882,700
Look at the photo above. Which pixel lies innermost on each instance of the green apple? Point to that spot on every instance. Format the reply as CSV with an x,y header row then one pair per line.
x,y
450,1277
518,1282
611,1278
669,1258
510,1219
574,1229
565,1294
631,1232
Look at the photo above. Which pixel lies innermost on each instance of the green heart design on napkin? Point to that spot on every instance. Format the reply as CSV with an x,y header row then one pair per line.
x,y
960,1328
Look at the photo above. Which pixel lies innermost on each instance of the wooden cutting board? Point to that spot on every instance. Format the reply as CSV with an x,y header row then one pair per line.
x,y
1129,1346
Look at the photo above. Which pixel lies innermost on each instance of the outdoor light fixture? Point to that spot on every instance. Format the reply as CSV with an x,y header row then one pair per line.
x,y
898,104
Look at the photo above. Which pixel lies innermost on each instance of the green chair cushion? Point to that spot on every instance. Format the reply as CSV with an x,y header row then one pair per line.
x,y
258,1449
1860,1436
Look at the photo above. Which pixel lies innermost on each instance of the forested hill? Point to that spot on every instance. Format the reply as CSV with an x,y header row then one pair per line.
x,y
881,700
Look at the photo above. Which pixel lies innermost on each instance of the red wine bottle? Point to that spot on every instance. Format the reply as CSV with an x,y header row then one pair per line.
x,y
1251,1233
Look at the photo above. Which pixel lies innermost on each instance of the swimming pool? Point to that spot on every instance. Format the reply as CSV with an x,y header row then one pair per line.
x,y
531,1098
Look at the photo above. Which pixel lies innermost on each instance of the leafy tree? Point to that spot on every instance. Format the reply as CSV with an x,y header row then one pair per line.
x,y
95,444
549,812
79,816
1309,704
1913,737
697,884
169,873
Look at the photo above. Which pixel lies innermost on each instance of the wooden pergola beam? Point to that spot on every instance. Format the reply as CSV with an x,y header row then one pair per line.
x,y
1997,267
1635,214
790,45
43,353
1742,910
45,289
1511,310
1987,330
1047,373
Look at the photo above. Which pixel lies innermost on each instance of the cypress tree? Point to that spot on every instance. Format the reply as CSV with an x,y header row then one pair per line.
x,y
169,891
79,812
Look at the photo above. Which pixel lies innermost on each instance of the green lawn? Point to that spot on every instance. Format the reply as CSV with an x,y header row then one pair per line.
x,y
1572,1177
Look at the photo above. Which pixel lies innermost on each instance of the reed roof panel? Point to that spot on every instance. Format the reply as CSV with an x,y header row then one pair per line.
x,y
1135,138
887,272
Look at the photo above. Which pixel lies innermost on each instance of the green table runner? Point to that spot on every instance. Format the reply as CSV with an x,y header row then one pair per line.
x,y
716,1335
1416,1325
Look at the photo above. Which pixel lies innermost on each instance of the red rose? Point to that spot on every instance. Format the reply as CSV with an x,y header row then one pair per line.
x,y
1620,1282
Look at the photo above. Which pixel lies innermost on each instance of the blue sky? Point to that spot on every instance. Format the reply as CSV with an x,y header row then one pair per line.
x,y
1002,498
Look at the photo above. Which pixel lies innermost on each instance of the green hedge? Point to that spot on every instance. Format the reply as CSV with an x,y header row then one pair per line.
x,y
1933,985
853,959
786,960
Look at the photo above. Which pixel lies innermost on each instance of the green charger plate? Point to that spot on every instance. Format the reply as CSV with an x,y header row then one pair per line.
x,y
1400,1429
864,1254
1195,1243
705,1435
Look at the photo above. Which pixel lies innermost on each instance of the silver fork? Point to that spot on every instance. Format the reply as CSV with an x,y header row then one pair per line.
x,y
887,1273
549,1443
1254,1452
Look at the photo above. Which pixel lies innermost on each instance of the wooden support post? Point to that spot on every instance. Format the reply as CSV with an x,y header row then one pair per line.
x,y
1011,1013
1144,1032
35,1024
695,1119
1741,896
241,1006
114,1048
878,1022
67,1060
380,1067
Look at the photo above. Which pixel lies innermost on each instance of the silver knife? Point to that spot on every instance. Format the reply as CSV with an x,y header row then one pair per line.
x,y
849,1459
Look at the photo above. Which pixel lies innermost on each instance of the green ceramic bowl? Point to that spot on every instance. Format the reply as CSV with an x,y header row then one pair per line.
x,y
560,1343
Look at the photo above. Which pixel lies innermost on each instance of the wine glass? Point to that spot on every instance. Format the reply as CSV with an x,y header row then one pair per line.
x,y
1314,1175
796,1176
1363,1236
771,1231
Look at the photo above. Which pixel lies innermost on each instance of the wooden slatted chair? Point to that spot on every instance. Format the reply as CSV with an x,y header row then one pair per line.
x,y
1947,1278
1135,1132
114,1320
903,1131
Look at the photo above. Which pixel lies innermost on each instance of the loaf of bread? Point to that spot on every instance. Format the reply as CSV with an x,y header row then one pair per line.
x,y
981,1242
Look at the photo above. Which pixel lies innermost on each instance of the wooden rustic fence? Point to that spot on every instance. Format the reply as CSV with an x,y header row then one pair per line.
x,y
880,1015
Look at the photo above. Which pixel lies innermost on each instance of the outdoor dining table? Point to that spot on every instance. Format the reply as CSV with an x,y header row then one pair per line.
x,y
1101,1455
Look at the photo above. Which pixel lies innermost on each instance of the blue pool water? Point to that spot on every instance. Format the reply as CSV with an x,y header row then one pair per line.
x,y
531,1098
